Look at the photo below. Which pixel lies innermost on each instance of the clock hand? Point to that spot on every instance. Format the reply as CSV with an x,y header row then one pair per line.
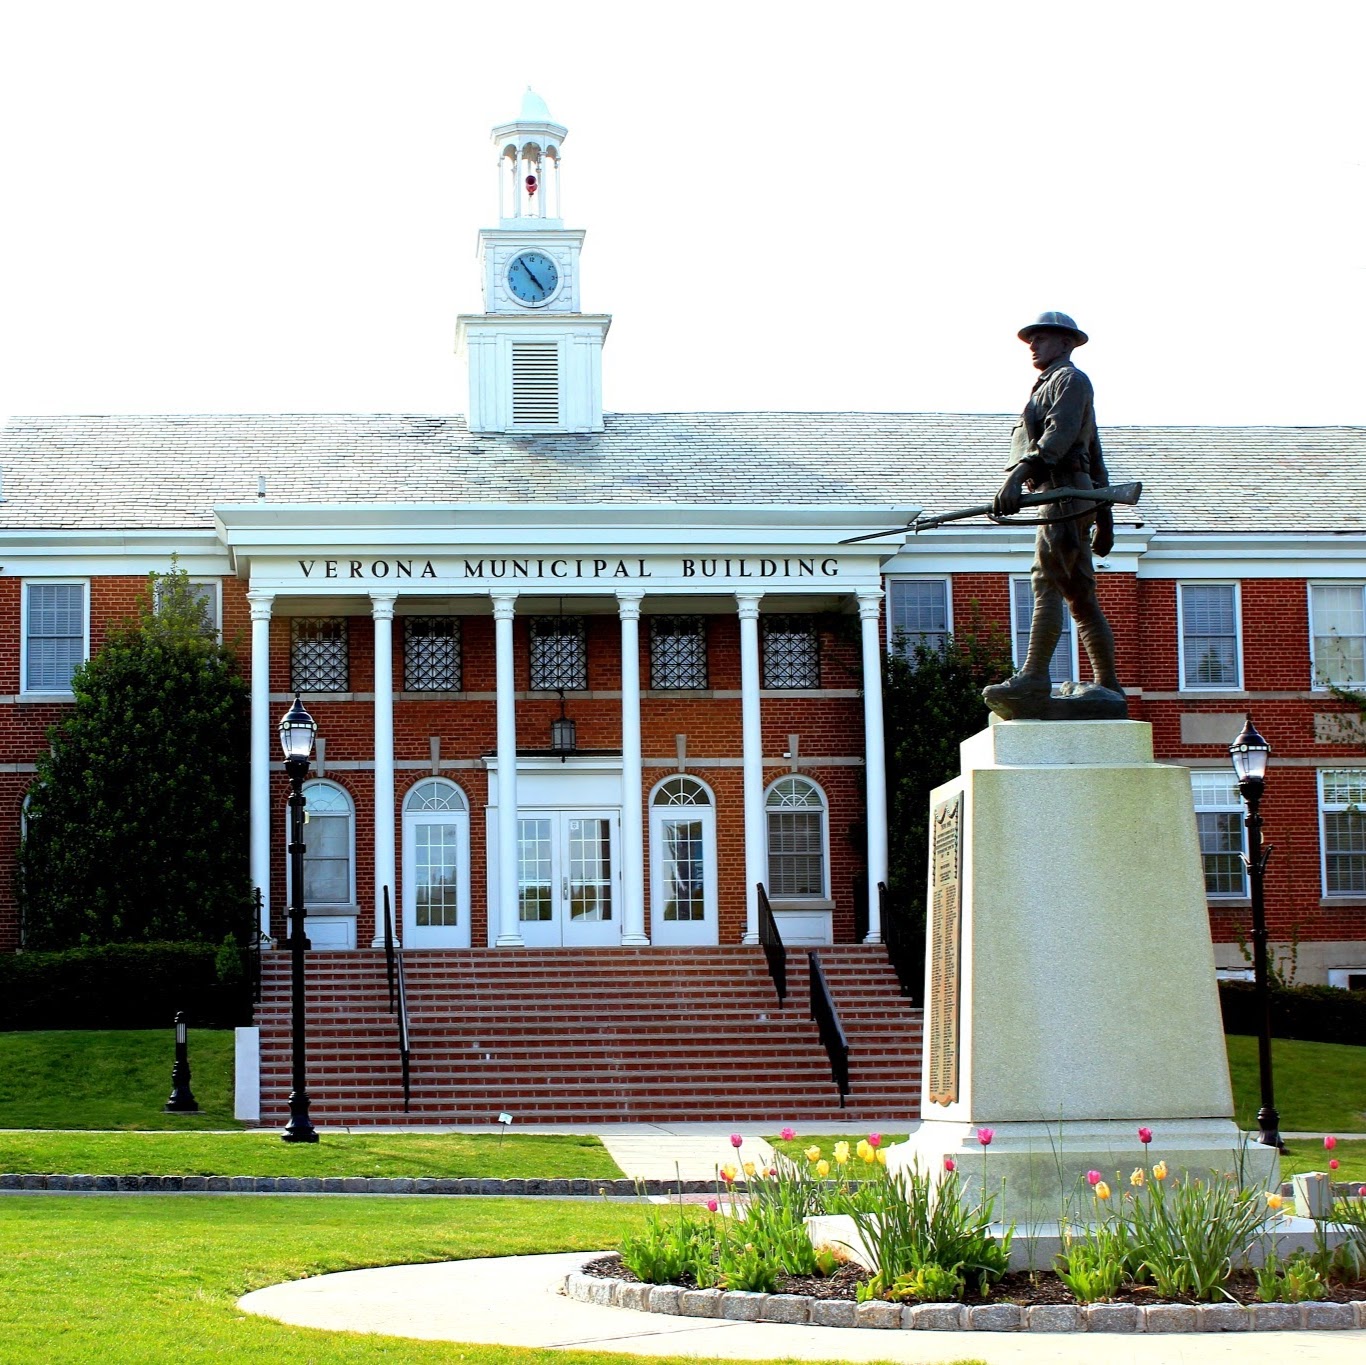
x,y
530,272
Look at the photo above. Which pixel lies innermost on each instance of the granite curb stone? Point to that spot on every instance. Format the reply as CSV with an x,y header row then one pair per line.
x,y
1158,1318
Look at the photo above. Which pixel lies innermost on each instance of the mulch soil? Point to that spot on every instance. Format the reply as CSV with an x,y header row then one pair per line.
x,y
1020,1286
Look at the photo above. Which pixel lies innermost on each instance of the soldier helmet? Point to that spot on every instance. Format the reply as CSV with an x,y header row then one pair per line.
x,y
1057,322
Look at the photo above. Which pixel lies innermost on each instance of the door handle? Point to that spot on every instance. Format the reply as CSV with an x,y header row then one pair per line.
x,y
566,888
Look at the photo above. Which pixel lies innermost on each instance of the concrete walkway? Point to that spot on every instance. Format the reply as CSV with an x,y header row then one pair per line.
x,y
513,1301
668,1154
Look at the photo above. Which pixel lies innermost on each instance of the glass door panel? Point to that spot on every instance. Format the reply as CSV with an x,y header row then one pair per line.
x,y
435,881
566,878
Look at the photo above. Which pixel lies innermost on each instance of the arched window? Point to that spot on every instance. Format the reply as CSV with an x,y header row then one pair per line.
x,y
329,846
435,794
798,861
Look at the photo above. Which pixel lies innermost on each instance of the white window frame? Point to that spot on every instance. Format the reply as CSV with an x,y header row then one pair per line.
x,y
891,635
1182,684
1337,896
323,907
216,584
1317,683
458,815
84,584
683,931
824,897
1235,806
1015,630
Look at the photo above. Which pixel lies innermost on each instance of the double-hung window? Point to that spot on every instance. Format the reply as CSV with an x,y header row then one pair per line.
x,y
1208,618
917,614
1337,633
1062,667
1342,818
797,854
56,635
678,652
204,591
1219,824
791,651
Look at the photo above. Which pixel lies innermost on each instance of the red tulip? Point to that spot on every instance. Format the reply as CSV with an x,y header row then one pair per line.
x,y
1145,1135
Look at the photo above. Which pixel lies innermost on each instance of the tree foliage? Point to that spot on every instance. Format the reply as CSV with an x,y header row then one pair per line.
x,y
932,701
137,822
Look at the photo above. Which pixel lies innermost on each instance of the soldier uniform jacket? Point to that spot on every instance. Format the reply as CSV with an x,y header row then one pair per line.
x,y
1058,428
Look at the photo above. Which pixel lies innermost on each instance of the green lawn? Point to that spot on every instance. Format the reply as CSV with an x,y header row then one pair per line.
x,y
1320,1087
117,1078
1309,1155
146,1279
262,1153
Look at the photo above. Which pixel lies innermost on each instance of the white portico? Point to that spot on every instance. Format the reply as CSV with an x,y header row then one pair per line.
x,y
388,562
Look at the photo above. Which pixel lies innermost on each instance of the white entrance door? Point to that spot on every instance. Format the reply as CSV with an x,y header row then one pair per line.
x,y
682,863
567,880
436,866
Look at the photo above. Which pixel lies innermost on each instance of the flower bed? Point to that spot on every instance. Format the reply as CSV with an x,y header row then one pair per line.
x,y
919,1251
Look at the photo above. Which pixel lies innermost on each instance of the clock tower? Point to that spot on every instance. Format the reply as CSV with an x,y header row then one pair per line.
x,y
534,359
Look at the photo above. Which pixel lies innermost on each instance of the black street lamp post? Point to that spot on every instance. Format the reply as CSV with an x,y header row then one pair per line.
x,y
297,732
182,1100
1249,753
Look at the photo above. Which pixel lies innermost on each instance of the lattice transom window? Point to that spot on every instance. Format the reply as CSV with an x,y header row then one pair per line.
x,y
559,654
791,651
431,653
318,654
678,652
535,383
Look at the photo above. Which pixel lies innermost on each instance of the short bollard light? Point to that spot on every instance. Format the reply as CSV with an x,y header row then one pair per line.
x,y
182,1100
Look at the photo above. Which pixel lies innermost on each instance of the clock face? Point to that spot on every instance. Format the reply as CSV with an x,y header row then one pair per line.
x,y
533,277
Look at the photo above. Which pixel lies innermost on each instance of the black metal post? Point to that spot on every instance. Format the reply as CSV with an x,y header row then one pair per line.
x,y
1256,858
182,1100
300,1126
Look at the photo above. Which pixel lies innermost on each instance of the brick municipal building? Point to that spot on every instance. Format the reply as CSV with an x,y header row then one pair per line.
x,y
590,692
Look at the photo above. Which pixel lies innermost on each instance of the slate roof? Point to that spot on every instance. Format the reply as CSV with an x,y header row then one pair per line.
x,y
101,472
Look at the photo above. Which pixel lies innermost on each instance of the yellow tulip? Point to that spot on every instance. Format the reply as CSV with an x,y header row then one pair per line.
x,y
813,1153
1160,1171
881,1156
841,1152
822,1169
749,1169
1137,1177
865,1152
1274,1202
1102,1190
728,1173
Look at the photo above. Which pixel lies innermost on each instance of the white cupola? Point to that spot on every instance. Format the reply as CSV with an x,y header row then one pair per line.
x,y
534,359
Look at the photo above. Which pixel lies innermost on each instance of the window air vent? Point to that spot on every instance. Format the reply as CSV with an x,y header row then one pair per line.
x,y
535,384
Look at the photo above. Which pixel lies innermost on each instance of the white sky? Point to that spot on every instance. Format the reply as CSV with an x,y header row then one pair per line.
x,y
272,207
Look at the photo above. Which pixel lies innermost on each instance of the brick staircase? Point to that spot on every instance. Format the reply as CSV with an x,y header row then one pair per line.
x,y
589,1036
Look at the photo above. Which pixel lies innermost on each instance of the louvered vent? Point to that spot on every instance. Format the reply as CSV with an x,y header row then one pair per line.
x,y
535,384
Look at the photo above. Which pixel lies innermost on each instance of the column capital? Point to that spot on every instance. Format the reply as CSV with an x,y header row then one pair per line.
x,y
747,604
869,603
628,603
504,605
382,605
260,601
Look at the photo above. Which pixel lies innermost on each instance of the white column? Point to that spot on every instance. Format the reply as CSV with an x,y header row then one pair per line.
x,y
386,863
260,749
874,754
632,782
752,742
509,927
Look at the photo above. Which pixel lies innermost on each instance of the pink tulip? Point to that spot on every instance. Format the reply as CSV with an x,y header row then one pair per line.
x,y
772,1171
736,1140
950,1164
1093,1177
1333,1165
712,1205
1145,1135
788,1134
984,1136
1330,1142
1362,1191
875,1139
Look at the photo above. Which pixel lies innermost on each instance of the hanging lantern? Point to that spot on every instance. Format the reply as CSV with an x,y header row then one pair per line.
x,y
531,184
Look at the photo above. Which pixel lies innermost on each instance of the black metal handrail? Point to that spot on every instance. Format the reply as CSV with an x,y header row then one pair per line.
x,y
905,946
398,996
827,1018
772,942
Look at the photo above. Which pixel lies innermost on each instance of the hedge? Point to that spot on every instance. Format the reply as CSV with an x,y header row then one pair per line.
x,y
123,985
1308,1014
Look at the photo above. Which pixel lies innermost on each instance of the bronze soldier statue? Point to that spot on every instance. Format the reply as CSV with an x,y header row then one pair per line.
x,y
1055,445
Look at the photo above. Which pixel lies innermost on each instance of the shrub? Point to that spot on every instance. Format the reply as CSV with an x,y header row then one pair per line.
x,y
126,985
1308,1014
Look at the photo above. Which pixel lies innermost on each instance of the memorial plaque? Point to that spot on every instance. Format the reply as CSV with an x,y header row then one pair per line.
x,y
946,935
